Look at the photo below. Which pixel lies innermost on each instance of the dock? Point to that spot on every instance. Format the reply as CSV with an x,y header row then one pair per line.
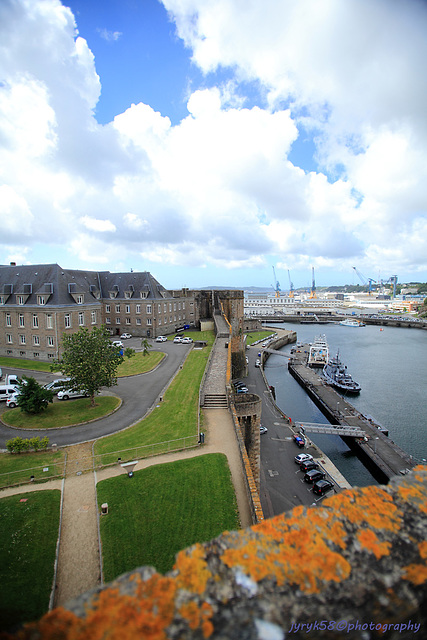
x,y
383,457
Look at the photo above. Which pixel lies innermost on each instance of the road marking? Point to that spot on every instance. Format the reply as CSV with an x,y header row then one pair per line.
x,y
281,439
273,473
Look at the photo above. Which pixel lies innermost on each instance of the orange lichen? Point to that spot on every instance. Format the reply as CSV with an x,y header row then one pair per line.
x,y
372,505
369,540
415,573
192,567
422,548
198,617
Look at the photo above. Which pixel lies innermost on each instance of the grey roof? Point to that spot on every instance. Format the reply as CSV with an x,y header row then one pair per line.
x,y
62,284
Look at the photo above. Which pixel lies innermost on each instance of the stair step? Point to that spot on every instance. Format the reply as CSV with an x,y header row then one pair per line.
x,y
218,401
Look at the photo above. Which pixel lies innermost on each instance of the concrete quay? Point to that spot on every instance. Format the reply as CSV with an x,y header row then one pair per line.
x,y
384,458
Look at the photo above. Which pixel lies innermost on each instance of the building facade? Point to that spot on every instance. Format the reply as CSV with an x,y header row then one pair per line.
x,y
40,303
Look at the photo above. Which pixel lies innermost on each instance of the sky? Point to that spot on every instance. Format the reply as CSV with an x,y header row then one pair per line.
x,y
225,143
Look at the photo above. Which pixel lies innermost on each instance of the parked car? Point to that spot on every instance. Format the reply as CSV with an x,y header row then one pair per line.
x,y
7,390
117,343
263,429
299,441
303,457
12,401
257,362
161,339
126,336
69,393
56,385
322,486
241,389
308,466
177,339
186,340
314,475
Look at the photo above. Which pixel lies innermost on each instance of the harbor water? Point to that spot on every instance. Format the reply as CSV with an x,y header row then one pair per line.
x,y
390,364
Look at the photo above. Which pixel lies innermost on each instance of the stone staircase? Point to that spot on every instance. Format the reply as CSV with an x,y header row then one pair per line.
x,y
215,401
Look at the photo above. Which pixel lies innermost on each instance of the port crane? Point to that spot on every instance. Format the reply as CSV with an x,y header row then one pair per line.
x,y
291,286
313,286
365,281
276,286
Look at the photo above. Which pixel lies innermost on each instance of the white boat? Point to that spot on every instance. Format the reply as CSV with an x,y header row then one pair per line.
x,y
319,352
337,375
352,323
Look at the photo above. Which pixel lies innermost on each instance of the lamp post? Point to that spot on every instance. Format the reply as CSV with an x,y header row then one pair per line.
x,y
375,444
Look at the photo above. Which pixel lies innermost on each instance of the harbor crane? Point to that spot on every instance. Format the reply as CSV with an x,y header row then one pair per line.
x,y
276,286
291,286
313,286
365,281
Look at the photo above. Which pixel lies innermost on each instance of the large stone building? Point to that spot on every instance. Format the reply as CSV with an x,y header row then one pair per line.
x,y
39,303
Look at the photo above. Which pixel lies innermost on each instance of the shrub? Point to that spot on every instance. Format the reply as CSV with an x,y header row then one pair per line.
x,y
18,444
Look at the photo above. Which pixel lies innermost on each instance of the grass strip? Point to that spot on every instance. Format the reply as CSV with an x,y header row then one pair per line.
x,y
62,413
18,363
175,417
140,363
17,468
164,509
27,551
258,335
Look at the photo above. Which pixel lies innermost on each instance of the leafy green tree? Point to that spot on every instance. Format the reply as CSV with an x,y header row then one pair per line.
x,y
90,360
145,345
33,398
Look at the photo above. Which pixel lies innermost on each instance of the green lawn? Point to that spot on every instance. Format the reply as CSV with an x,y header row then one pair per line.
x,y
18,363
257,335
140,363
61,413
164,509
17,468
175,417
29,532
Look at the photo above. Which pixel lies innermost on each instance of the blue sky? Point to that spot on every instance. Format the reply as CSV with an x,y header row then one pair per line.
x,y
207,144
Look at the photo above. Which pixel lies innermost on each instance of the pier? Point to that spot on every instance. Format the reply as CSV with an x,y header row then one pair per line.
x,y
384,458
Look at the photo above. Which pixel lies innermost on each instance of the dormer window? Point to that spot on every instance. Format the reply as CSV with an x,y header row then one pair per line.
x,y
42,300
20,300
80,299
2,299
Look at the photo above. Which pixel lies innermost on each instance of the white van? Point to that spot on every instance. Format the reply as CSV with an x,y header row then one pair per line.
x,y
7,390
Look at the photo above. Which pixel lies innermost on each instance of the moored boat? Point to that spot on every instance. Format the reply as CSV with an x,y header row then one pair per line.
x,y
319,352
351,323
337,375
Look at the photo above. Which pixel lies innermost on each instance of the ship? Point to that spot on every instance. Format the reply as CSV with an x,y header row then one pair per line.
x,y
337,375
319,352
352,323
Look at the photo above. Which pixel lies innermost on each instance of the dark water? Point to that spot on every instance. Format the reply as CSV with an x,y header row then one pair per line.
x,y
390,365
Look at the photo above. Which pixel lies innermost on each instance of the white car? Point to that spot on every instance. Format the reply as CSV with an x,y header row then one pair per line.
x,y
117,343
177,339
57,385
186,340
126,336
161,339
303,457
69,393
12,401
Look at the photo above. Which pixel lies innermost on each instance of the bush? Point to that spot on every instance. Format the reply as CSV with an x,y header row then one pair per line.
x,y
18,444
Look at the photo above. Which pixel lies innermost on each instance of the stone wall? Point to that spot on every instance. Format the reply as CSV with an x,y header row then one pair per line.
x,y
354,566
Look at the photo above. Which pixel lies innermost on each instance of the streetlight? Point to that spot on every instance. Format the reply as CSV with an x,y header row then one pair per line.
x,y
375,443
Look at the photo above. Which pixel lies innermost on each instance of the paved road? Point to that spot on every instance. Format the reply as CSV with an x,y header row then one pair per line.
x,y
281,482
138,394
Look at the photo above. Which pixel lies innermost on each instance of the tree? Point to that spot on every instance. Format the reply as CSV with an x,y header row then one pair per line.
x,y
145,345
90,360
32,397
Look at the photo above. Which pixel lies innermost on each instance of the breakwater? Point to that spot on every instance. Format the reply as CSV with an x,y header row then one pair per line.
x,y
376,450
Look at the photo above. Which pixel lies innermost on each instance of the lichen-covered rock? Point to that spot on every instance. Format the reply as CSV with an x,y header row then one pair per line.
x,y
353,567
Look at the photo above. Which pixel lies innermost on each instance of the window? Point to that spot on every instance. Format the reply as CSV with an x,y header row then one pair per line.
x,y
160,322
35,354
2,299
81,318
67,320
50,341
22,339
107,308
149,322
35,321
49,321
36,341
93,317
148,308
8,320
9,338
21,320
107,320
41,300
117,308
117,320
20,300
138,308
127,320
79,299
138,321
159,308
128,308
165,307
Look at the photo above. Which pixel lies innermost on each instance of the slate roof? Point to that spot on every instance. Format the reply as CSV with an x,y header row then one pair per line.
x,y
61,284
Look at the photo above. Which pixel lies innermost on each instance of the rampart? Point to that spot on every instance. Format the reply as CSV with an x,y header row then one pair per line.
x,y
354,566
